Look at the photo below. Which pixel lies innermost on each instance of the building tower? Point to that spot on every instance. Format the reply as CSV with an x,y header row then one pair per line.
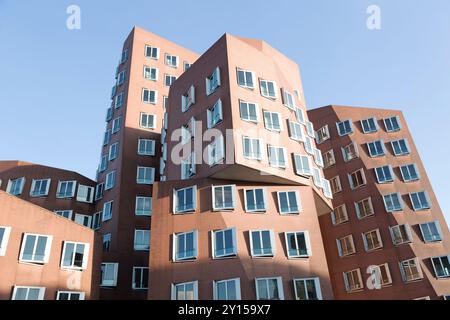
x,y
130,159
237,213
386,223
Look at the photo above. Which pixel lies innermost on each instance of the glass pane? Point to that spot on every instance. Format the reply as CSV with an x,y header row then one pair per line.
x,y
231,290
79,253
301,290
67,260
256,242
221,291
28,249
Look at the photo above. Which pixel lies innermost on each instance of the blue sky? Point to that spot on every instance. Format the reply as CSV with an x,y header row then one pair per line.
x,y
55,82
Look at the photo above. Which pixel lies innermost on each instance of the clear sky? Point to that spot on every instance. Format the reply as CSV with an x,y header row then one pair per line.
x,y
55,83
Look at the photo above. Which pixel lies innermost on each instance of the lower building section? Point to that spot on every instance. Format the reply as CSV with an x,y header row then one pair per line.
x,y
218,239
44,256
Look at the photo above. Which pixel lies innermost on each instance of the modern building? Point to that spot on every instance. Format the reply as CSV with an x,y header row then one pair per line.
x,y
386,237
44,255
215,182
237,213
130,159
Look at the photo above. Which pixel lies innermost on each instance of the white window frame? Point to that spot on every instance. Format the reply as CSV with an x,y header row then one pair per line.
x,y
265,83
71,195
83,220
169,79
142,212
272,244
350,180
33,187
423,206
348,156
447,271
70,293
146,143
270,125
116,125
342,134
427,225
141,246
381,177
367,121
149,93
407,167
279,287
85,193
338,184
4,240
85,256
358,211
194,201
108,216
323,134
213,244
216,151
233,197
146,171
253,194
168,60
252,154
307,243
316,285
214,114
302,167
366,243
175,246
346,252
402,153
175,285
110,181
210,86
290,211
329,159
152,50
407,230
416,264
246,83
62,213
143,285
188,99
113,151
274,157
386,120
347,283
110,282
296,131
40,295
334,220
237,284
47,250
246,105
374,143
288,99
151,71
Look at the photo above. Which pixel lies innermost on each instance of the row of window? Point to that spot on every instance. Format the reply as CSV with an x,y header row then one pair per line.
x,y
410,270
224,198
141,240
36,248
400,235
224,244
370,125
376,149
38,293
40,188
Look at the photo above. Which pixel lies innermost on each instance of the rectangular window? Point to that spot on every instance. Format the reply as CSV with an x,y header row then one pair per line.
x,y
322,134
146,147
113,91
380,275
317,178
85,194
4,239
185,291
143,206
109,114
295,131
28,293
318,159
171,60
350,152
96,220
400,147
35,248
431,231
188,131
410,172
277,156
216,151
185,200
372,240
214,114
109,274
249,111
376,148
344,127
224,243
188,99
152,52
272,121
288,99
339,215
269,288
99,191
149,96
151,73
70,295
245,78
124,56
255,200
369,125
229,289
66,189
147,121
326,186
441,266
329,159
168,80
140,278
107,211
392,124
223,197
110,180
39,188
145,175
268,88
103,163
303,166
213,81
346,246
336,185
400,234
300,115
393,202
107,137
357,179
141,240
188,167
116,125
262,243
252,148
15,186
353,280
119,101
308,144
106,242
75,255
420,201
289,202
384,174
298,244
411,270
307,289
185,246
65,213
310,129
186,65
121,78
113,151
83,220
364,208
